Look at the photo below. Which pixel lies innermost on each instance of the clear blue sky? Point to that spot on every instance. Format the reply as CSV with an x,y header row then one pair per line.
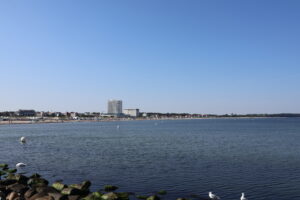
x,y
157,55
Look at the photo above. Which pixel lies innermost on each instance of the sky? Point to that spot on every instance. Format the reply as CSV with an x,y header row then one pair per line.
x,y
196,56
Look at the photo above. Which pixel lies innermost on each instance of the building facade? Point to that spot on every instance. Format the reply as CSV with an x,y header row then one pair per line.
x,y
114,107
131,112
26,113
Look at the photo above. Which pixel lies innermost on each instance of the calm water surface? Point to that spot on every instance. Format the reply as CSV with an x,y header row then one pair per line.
x,y
260,157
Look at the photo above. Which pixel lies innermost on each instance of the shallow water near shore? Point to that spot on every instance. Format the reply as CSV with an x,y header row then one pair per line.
x,y
260,157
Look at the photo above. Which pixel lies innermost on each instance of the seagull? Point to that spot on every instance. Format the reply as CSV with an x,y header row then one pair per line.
x,y
19,165
23,140
213,196
243,196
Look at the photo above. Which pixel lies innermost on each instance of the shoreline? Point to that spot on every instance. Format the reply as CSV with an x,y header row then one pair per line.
x,y
54,121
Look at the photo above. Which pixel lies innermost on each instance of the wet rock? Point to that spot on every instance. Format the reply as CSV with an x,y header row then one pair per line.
x,y
11,170
3,166
71,191
38,195
46,189
21,179
12,196
123,195
45,198
7,182
93,196
162,192
83,186
110,196
29,193
109,188
2,195
74,197
141,197
37,182
58,196
35,175
154,197
59,186
18,188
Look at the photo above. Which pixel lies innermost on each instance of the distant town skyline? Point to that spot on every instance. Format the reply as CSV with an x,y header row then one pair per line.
x,y
191,56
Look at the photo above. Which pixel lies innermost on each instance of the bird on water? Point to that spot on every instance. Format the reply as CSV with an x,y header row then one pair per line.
x,y
243,196
23,140
213,196
20,165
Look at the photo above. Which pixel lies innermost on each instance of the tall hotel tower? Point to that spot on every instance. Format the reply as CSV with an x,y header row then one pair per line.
x,y
114,107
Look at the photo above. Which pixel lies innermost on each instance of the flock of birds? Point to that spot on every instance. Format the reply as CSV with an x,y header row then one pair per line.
x,y
210,194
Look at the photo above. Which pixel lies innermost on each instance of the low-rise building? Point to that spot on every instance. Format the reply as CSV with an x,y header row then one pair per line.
x,y
26,113
131,112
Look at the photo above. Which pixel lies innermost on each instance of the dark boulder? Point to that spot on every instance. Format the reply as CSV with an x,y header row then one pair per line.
x,y
154,197
110,196
29,193
109,188
18,188
59,186
37,182
71,191
58,196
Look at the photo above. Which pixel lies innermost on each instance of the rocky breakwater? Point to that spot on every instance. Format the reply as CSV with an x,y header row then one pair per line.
x,y
14,186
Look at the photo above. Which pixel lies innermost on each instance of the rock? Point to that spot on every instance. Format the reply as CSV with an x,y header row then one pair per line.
x,y
110,196
71,191
141,197
11,177
59,186
2,195
37,182
35,175
181,199
3,166
11,170
93,197
2,173
7,182
154,197
45,198
74,197
123,195
58,196
18,188
162,192
29,193
38,195
83,186
109,188
46,189
12,196
21,179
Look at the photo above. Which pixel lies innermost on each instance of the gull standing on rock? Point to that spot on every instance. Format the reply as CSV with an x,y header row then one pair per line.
x,y
23,140
20,165
213,196
243,196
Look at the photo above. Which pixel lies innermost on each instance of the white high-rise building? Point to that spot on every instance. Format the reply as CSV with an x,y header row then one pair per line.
x,y
114,107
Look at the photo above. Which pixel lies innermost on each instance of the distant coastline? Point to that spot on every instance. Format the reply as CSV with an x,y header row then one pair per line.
x,y
48,121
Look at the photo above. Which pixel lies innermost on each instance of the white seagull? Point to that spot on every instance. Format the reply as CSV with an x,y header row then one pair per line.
x,y
19,165
243,196
23,140
213,196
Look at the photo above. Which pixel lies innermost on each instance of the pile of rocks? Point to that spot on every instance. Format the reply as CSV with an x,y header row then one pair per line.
x,y
14,186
